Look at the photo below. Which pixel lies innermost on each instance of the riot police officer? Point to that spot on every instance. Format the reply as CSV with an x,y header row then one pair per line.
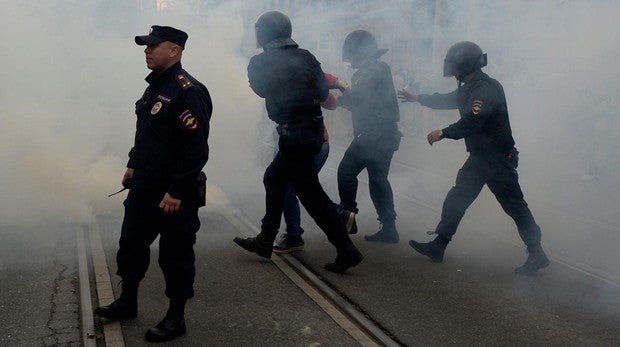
x,y
164,179
293,85
374,114
493,159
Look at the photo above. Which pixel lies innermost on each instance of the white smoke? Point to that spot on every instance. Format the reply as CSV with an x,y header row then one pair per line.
x,y
72,74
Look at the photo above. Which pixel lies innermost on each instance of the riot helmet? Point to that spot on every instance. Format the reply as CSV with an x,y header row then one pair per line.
x,y
462,59
273,25
359,45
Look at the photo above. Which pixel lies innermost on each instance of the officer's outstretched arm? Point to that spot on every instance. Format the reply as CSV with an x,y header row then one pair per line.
x,y
439,101
407,96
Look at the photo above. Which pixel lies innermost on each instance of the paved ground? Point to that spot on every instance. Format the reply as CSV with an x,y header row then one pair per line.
x,y
241,299
472,298
39,299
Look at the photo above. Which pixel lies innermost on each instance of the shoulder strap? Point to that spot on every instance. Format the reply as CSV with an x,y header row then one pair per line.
x,y
184,81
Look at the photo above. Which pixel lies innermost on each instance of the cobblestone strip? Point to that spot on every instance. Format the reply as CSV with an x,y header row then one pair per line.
x,y
63,322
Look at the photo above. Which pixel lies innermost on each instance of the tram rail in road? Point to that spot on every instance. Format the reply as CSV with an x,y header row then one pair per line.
x,y
348,315
356,323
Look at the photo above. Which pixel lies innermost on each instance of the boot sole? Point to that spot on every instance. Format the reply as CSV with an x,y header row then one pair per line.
x,y
340,269
115,317
288,250
259,251
528,272
432,259
111,314
157,338
369,239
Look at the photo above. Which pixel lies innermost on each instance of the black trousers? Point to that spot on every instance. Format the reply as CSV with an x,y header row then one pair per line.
x,y
502,179
294,163
143,222
376,161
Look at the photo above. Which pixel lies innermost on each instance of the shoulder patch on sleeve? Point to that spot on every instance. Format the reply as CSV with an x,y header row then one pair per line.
x,y
183,81
476,107
189,121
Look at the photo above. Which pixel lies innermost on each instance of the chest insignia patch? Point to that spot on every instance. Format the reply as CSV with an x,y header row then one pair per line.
x,y
163,98
189,121
156,108
476,107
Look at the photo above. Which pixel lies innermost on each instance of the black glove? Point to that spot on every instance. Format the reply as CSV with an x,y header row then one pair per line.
x,y
513,158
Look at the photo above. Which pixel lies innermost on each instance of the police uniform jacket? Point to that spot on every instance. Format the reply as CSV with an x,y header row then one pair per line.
x,y
291,81
484,122
372,101
172,129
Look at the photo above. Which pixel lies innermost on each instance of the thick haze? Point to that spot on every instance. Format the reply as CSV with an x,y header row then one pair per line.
x,y
72,73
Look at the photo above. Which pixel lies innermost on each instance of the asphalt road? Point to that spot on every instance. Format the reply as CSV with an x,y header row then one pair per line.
x,y
39,299
473,298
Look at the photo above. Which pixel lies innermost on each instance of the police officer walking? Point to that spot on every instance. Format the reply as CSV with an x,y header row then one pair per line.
x,y
293,85
493,159
374,114
165,182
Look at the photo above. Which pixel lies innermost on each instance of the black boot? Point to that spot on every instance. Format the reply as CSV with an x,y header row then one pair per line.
x,y
125,307
387,234
536,260
345,260
172,326
261,244
434,249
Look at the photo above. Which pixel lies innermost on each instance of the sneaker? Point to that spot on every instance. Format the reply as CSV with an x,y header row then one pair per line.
x,y
536,260
348,219
345,260
258,245
288,243
434,249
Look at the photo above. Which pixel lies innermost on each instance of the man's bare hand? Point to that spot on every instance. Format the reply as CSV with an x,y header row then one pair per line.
x,y
169,205
434,136
128,174
406,96
342,85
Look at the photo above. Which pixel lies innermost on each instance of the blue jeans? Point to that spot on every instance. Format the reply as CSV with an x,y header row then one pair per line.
x,y
292,213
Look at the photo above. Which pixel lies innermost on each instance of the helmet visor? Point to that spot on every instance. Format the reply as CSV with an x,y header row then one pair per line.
x,y
449,68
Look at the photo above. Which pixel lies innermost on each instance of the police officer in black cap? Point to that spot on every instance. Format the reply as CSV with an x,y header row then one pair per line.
x,y
493,159
166,185
293,85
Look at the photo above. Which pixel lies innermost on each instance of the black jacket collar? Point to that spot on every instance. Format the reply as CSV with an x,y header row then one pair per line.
x,y
155,79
